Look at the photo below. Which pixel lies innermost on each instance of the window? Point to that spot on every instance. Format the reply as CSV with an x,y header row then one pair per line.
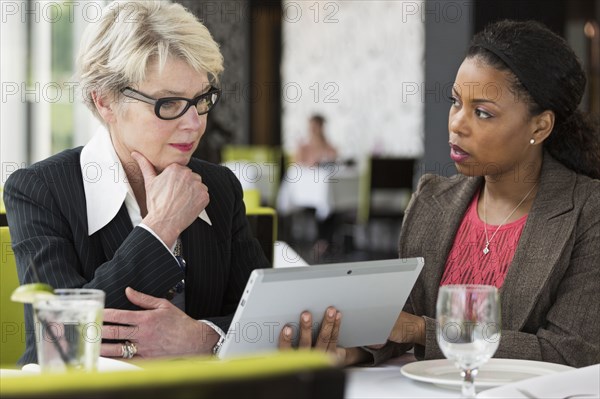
x,y
62,68
42,112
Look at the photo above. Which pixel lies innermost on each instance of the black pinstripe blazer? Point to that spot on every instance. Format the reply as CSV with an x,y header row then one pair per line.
x,y
46,210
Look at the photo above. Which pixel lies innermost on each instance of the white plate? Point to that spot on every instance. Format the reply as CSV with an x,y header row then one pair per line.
x,y
494,373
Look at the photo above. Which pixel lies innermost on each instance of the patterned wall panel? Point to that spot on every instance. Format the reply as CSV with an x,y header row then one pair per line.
x,y
361,64
228,22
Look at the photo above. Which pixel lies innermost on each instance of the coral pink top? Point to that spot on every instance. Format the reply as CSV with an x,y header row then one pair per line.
x,y
467,264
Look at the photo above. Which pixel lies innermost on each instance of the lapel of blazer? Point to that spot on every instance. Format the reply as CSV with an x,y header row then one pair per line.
x,y
202,252
113,234
446,208
192,243
546,232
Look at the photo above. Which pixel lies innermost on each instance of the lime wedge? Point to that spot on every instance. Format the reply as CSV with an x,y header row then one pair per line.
x,y
28,293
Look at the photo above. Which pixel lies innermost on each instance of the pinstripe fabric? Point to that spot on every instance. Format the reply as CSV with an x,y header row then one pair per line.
x,y
47,217
550,298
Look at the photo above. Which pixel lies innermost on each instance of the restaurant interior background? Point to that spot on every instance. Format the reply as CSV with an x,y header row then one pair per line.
x,y
379,71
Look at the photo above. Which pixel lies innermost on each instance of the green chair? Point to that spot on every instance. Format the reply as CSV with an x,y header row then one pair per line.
x,y
265,160
252,198
294,374
256,153
263,224
3,221
12,324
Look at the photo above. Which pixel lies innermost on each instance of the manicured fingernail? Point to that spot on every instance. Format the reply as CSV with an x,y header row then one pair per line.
x,y
305,318
287,331
331,312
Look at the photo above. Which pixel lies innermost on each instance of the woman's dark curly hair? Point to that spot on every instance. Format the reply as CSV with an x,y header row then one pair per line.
x,y
547,74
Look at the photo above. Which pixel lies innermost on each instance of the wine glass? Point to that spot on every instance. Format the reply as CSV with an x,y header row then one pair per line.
x,y
468,328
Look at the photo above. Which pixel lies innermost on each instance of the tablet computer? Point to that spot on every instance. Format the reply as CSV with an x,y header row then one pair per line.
x,y
370,296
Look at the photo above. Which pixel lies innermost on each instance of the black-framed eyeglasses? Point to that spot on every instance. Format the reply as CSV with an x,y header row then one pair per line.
x,y
169,108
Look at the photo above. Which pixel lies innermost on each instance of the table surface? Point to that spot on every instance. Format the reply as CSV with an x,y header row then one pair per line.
x,y
386,381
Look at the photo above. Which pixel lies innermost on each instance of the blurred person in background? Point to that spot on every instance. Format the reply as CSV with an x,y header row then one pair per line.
x,y
312,152
316,149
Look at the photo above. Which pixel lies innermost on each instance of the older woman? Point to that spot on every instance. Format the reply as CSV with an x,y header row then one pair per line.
x,y
132,213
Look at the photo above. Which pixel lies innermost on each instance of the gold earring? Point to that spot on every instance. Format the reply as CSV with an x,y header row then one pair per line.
x,y
532,141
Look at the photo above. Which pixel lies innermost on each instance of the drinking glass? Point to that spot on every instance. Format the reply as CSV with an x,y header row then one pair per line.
x,y
468,328
69,329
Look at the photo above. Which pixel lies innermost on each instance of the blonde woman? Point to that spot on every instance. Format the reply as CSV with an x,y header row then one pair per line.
x,y
132,213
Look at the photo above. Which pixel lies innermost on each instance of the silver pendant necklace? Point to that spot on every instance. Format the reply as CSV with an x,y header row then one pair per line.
x,y
486,249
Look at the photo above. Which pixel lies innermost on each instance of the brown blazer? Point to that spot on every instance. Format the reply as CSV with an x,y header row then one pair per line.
x,y
550,299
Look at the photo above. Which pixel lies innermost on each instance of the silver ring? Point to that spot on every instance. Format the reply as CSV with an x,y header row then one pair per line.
x,y
129,349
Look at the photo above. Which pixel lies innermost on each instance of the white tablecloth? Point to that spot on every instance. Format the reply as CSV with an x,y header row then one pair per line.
x,y
583,383
327,189
386,382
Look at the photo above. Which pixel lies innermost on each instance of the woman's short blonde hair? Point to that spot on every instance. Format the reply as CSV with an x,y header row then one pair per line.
x,y
116,51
